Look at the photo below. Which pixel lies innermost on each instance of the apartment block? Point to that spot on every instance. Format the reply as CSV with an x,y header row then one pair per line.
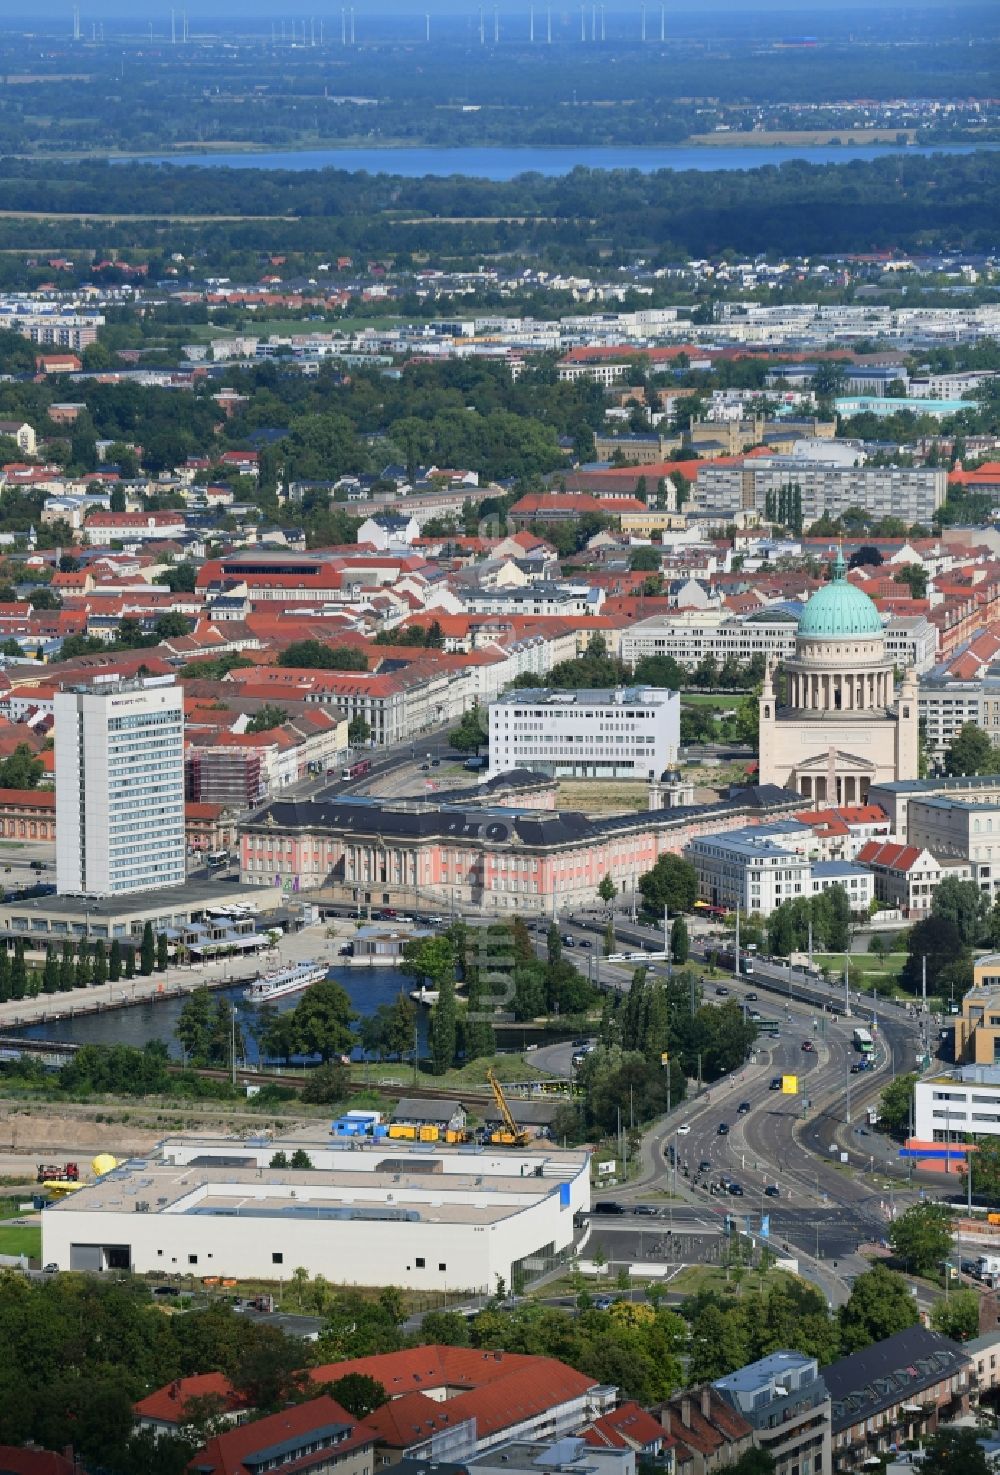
x,y
909,493
119,754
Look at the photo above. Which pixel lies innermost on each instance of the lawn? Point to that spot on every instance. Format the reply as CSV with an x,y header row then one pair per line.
x,y
18,1239
601,796
866,968
721,701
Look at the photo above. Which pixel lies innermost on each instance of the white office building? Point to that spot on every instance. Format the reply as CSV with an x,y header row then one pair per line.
x,y
957,1104
759,868
119,750
624,732
369,1212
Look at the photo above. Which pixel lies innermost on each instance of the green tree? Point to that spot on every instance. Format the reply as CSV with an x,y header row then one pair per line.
x,y
279,1160
955,1452
147,953
645,559
609,938
327,1083
680,943
985,1169
269,717
879,1305
443,1030
607,890
162,952
470,734
914,576
66,971
193,1029
115,961
358,1393
315,654
895,1106
50,977
323,1021
100,963
672,884
22,770
922,1237
18,972
971,752
963,903
300,1159
553,945
957,1316
358,732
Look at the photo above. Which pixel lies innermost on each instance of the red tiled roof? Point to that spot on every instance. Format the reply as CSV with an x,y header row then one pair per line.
x,y
627,1427
30,798
227,1453
17,1461
893,857
168,1404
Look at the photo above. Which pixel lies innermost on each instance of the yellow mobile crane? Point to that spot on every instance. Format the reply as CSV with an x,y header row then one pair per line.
x,y
510,1135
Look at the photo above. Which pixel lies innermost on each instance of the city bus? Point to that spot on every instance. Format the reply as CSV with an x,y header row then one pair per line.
x,y
863,1042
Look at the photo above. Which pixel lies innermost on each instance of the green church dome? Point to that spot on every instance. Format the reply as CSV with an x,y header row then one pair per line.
x,y
839,609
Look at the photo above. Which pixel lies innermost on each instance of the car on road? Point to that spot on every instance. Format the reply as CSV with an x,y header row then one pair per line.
x,y
603,1303
721,992
743,1108
425,768
164,1291
38,865
683,1129
648,1211
809,1047
857,1068
772,1191
435,762
751,997
586,942
775,1084
577,1044
722,1130
704,1166
608,1206
567,941
736,1190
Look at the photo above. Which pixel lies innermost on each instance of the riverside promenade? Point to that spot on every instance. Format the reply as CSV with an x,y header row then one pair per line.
x,y
296,947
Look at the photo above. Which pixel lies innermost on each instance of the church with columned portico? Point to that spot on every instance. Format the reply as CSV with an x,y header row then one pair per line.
x,y
832,722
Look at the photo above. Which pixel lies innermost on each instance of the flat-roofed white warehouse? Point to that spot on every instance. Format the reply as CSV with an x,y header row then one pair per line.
x,y
383,1213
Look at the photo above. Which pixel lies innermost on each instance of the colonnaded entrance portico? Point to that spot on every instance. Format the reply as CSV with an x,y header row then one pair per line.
x,y
832,722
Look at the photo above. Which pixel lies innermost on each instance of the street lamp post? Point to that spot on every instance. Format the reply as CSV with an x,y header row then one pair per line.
x,y
232,1046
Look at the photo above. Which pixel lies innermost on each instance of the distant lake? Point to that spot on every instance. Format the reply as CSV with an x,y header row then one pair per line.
x,y
507,163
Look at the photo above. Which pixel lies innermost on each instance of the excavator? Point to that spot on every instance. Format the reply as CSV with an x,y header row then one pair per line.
x,y
510,1134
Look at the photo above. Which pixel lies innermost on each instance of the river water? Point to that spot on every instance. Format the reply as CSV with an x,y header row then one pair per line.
x,y
506,163
367,988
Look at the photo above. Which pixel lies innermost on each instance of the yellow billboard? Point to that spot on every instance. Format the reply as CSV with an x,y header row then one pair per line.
x,y
789,1085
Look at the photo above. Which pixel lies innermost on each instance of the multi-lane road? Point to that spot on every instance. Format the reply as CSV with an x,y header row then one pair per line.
x,y
837,1181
